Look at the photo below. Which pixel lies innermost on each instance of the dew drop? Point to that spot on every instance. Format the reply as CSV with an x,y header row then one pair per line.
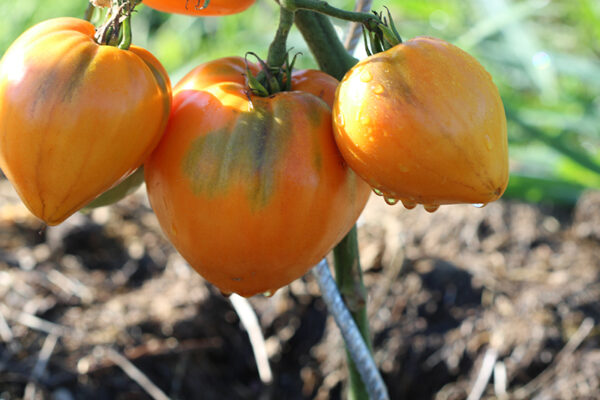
x,y
431,207
378,89
340,119
371,139
479,205
488,142
390,200
409,204
377,192
366,76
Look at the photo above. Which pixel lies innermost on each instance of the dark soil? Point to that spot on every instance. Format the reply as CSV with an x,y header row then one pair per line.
x,y
513,283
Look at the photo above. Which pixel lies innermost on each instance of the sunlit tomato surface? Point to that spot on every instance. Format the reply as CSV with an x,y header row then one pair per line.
x,y
75,116
196,7
252,191
424,123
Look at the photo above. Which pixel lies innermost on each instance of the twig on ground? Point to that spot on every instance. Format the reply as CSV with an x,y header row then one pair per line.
x,y
91,363
250,322
40,366
485,373
500,380
70,285
33,322
354,342
5,332
545,377
135,374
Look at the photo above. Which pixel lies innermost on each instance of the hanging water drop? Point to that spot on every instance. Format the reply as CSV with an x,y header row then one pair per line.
x,y
479,205
366,76
377,192
409,204
269,293
431,207
390,200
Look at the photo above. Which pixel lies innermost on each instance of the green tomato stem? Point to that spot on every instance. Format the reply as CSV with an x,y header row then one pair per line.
x,y
89,12
324,44
126,39
357,350
320,6
333,58
348,275
278,48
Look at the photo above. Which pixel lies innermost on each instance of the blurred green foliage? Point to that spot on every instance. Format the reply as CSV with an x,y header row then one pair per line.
x,y
544,56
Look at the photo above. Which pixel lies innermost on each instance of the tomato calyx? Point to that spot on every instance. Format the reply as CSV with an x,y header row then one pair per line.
x,y
383,36
116,29
270,79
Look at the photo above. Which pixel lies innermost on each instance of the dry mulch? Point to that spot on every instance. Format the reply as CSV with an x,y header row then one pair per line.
x,y
511,289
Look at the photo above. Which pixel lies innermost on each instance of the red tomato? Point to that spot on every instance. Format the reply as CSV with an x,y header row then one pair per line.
x,y
76,117
251,190
195,7
423,123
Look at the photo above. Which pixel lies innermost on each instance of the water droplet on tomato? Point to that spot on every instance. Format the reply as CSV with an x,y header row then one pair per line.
x,y
378,89
340,119
269,293
488,142
390,200
173,230
479,205
366,76
377,192
431,207
225,294
409,204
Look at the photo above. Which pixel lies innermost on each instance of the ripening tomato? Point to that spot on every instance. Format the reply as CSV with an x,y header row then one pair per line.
x,y
251,190
76,117
423,123
196,7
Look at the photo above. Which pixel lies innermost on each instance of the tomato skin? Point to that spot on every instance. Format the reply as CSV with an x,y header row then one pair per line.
x,y
76,117
188,7
423,123
251,191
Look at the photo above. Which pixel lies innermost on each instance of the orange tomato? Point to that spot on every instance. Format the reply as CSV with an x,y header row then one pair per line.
x,y
423,123
251,190
195,7
76,117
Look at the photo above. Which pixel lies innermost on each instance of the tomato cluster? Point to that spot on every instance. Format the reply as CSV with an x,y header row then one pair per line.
x,y
252,190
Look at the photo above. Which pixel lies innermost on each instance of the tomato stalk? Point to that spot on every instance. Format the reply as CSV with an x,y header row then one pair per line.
x,y
116,30
278,49
371,21
321,37
275,75
334,59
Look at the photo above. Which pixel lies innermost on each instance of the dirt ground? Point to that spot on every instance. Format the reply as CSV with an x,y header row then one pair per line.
x,y
509,290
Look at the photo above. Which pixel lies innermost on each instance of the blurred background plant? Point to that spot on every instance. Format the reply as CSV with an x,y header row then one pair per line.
x,y
544,56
